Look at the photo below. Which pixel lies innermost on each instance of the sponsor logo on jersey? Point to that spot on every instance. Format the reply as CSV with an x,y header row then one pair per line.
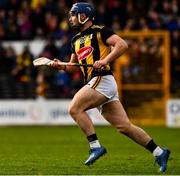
x,y
84,52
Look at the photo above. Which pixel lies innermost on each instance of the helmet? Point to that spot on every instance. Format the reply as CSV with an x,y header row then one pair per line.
x,y
82,7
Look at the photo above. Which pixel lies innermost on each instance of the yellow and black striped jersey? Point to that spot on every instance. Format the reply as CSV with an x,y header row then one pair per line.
x,y
90,46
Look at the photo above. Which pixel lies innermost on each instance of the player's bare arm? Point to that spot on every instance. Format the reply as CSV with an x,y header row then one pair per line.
x,y
119,46
57,64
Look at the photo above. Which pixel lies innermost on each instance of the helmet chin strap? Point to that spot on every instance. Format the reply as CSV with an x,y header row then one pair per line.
x,y
79,19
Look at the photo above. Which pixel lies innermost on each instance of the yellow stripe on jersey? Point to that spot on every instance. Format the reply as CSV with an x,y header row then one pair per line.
x,y
89,59
96,83
87,42
104,50
77,47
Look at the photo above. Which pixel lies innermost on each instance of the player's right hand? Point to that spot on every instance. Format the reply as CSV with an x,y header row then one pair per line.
x,y
57,64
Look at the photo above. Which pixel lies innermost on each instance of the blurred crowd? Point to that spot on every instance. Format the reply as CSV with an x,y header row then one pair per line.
x,y
48,19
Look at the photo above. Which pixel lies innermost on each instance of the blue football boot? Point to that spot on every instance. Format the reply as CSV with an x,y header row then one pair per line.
x,y
163,159
95,153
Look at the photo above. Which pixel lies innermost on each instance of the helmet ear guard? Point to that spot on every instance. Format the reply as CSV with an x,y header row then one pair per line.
x,y
79,19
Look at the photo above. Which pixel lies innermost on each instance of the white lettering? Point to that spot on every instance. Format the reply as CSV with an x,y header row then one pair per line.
x,y
83,54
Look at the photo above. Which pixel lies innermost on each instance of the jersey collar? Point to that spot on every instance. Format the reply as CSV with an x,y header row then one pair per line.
x,y
87,31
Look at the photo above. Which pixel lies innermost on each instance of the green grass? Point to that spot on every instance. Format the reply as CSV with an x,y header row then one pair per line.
x,y
63,150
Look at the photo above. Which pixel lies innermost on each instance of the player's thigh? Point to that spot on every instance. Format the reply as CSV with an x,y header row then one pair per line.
x,y
114,113
87,98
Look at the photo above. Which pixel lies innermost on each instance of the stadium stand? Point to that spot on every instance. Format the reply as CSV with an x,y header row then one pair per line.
x,y
30,20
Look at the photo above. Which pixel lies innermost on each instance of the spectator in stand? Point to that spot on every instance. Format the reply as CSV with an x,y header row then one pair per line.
x,y
22,71
13,31
9,60
50,50
41,86
65,49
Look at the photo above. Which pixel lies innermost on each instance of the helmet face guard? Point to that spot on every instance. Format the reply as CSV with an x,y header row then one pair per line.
x,y
85,8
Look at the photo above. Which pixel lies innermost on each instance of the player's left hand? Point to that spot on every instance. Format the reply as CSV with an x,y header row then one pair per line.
x,y
99,64
57,64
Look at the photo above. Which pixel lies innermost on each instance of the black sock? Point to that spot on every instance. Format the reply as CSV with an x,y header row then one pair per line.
x,y
92,137
151,146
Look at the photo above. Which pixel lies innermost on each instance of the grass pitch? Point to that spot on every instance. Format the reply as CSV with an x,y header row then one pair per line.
x,y
63,150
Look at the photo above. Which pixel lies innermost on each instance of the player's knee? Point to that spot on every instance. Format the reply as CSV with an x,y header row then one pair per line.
x,y
73,110
124,128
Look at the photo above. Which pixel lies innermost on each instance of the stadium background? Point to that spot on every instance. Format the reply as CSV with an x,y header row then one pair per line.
x,y
148,75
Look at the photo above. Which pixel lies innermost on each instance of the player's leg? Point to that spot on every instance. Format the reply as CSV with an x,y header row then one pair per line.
x,y
116,115
87,98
